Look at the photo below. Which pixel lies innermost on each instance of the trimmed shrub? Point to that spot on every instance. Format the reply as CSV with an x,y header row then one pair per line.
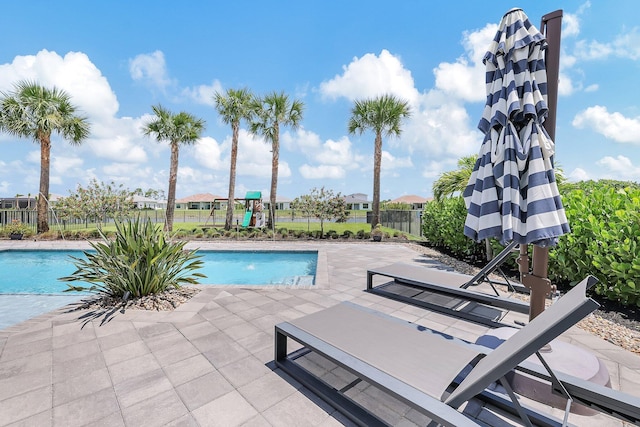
x,y
604,217
604,242
443,226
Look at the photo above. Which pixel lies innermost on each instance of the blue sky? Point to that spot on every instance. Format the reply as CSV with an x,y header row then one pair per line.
x,y
117,59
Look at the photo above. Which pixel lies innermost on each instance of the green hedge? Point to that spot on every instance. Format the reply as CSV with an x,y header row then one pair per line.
x,y
604,217
604,242
443,225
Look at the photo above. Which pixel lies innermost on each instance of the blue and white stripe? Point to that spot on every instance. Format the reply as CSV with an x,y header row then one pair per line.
x,y
512,193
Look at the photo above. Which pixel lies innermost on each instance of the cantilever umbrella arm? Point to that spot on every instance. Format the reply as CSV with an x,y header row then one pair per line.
x,y
536,280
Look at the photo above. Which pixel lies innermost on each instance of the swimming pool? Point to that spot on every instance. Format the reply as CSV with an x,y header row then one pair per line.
x,y
37,271
29,284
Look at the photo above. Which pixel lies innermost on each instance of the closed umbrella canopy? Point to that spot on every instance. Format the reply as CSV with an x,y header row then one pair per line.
x,y
512,194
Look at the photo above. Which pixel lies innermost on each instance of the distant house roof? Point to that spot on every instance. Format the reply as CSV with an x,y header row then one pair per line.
x,y
356,197
411,199
141,199
202,197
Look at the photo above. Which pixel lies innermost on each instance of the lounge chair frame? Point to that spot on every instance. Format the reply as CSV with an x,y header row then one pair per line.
x,y
351,348
465,303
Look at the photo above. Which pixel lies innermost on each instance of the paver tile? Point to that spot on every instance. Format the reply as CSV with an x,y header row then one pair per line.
x,y
80,386
203,390
243,371
87,409
188,369
159,410
25,405
228,410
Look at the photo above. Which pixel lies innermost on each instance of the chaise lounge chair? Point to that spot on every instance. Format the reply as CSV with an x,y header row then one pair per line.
x,y
433,374
443,291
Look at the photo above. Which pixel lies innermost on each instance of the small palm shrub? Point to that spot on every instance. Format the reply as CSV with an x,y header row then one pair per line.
x,y
139,260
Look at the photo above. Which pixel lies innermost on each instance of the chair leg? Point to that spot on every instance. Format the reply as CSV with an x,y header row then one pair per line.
x,y
280,346
514,399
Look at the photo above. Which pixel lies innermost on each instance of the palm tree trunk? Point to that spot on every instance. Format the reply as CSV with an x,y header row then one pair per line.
x,y
275,159
377,160
173,178
232,176
45,164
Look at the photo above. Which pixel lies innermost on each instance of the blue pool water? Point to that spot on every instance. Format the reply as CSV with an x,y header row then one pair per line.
x,y
29,283
259,267
37,272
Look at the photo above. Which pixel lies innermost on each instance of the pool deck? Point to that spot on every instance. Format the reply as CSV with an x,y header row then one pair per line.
x,y
210,362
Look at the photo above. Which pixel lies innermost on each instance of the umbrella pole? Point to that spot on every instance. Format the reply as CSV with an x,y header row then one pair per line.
x,y
523,261
537,282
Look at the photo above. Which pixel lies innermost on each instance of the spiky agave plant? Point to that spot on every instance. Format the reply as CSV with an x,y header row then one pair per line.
x,y
139,260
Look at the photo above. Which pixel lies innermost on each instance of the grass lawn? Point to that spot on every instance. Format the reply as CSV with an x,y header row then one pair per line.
x,y
339,228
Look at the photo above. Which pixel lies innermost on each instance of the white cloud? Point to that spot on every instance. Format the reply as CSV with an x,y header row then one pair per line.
x,y
433,169
578,174
620,167
74,73
150,68
370,76
122,147
336,152
113,138
391,164
331,159
302,140
441,128
570,24
626,45
322,172
464,79
592,50
203,94
565,85
439,124
592,88
614,126
62,164
254,156
208,153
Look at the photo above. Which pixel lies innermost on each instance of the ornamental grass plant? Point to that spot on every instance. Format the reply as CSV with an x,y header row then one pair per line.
x,y
140,259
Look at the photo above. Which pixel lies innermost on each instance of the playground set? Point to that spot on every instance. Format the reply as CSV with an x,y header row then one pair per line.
x,y
253,215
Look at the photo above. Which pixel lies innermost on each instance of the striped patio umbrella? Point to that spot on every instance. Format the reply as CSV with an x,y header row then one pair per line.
x,y
512,194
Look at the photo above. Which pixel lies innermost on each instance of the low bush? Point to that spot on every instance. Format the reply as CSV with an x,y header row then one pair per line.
x,y
348,234
604,240
443,226
604,217
140,259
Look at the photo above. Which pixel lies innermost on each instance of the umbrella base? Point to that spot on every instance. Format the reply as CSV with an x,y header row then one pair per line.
x,y
563,357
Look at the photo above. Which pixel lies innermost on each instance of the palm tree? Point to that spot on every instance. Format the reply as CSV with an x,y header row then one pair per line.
x,y
177,129
34,111
232,108
272,111
455,181
382,114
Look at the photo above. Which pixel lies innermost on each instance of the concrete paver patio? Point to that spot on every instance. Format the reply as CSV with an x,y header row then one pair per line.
x,y
209,362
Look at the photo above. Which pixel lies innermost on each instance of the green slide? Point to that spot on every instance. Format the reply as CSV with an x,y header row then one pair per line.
x,y
247,218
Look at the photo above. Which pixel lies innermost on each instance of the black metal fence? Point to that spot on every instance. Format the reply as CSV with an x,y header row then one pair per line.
x,y
409,222
405,221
